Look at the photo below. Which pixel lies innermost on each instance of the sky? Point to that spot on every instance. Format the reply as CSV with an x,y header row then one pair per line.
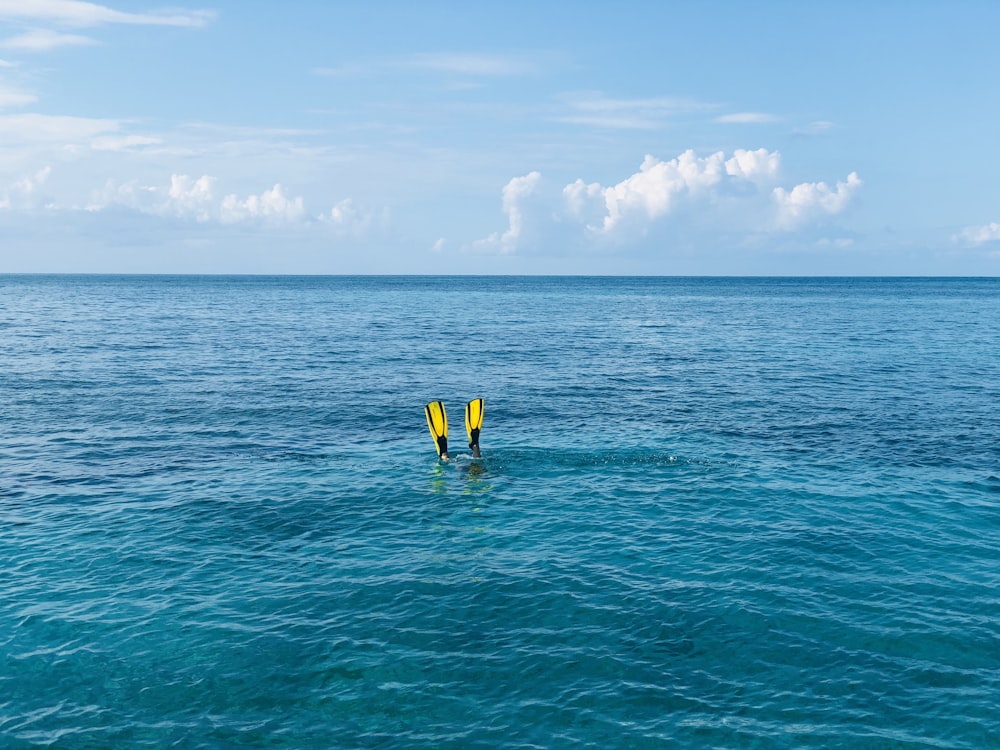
x,y
545,137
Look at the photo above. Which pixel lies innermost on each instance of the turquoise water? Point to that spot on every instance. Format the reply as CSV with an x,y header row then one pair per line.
x,y
711,513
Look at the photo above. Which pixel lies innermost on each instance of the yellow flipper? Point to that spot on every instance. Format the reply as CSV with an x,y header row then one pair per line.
x,y
437,422
474,422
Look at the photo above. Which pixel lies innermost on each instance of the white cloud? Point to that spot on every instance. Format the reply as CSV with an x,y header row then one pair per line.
x,y
75,135
710,194
980,235
123,142
809,201
344,212
62,130
193,199
26,192
656,188
596,110
79,13
515,193
746,118
127,195
43,40
344,71
820,127
758,166
463,64
185,198
349,219
584,202
652,191
190,198
472,64
15,98
835,243
270,206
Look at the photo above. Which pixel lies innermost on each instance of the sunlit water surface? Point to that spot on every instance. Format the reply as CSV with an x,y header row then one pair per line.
x,y
710,513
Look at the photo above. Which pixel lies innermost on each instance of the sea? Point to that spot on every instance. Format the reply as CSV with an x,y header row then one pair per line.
x,y
709,513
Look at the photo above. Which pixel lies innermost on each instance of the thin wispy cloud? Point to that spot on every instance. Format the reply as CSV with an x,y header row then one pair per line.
x,y
79,13
474,64
247,131
124,142
819,127
12,97
33,128
746,118
43,40
597,110
479,65
352,70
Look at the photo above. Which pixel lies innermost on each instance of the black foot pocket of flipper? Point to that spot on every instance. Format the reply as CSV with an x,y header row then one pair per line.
x,y
437,423
474,423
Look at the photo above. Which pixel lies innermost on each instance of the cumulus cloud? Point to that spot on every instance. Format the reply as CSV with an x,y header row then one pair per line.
x,y
196,199
658,186
585,202
193,199
271,206
515,193
347,218
344,212
809,201
717,192
26,192
759,166
184,198
80,13
188,198
980,235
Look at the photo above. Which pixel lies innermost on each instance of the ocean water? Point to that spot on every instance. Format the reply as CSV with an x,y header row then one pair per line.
x,y
712,513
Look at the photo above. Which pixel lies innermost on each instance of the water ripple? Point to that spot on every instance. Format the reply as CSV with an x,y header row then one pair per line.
x,y
721,514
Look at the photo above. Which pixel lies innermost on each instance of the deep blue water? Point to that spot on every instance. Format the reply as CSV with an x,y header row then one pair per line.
x,y
711,513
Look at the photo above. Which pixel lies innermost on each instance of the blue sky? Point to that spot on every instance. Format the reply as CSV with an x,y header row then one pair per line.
x,y
831,138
